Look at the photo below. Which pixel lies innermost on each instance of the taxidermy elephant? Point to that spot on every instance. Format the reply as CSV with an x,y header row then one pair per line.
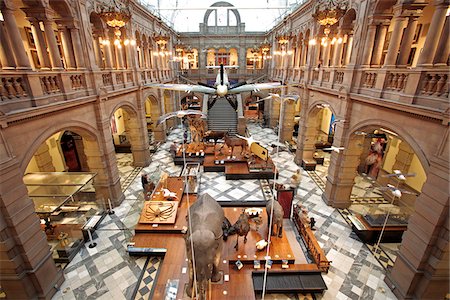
x,y
205,236
278,214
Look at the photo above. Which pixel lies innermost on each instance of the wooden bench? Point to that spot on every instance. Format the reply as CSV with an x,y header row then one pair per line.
x,y
311,242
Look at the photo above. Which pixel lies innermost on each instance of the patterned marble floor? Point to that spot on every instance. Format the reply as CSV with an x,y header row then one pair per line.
x,y
107,272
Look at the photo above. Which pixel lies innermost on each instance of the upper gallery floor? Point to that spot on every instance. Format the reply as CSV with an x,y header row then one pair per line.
x,y
385,51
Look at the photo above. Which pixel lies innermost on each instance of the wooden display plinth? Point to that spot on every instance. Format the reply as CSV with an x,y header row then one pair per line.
x,y
174,184
177,227
240,282
247,252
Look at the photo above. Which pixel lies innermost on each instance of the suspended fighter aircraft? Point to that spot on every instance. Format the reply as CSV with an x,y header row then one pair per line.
x,y
221,87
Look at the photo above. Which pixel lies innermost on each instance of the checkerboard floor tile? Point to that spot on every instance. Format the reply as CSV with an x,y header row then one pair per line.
x,y
108,272
145,287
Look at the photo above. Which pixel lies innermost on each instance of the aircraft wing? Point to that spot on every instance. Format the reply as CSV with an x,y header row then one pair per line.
x,y
183,87
255,87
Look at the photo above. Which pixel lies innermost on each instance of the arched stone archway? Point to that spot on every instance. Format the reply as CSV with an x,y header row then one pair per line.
x,y
152,108
135,132
309,128
31,271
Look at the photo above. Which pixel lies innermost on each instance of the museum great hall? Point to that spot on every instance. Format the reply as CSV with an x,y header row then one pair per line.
x,y
107,109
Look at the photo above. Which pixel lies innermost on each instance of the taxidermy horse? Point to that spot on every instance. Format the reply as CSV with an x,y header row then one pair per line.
x,y
241,228
205,235
278,214
232,142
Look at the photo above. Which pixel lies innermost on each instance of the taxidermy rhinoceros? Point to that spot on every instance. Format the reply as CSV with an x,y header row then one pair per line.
x,y
205,236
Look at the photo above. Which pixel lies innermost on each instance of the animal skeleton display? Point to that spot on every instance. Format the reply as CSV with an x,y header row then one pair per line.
x,y
163,211
159,212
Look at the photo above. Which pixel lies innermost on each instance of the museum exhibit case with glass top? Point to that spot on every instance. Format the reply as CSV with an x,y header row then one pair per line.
x,y
371,220
66,204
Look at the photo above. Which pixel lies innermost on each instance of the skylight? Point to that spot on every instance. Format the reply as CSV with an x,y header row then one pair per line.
x,y
186,15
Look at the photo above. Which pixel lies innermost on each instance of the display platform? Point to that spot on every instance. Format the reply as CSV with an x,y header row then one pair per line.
x,y
368,233
173,185
235,283
247,252
176,227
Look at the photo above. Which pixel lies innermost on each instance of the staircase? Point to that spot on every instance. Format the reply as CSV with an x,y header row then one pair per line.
x,y
222,117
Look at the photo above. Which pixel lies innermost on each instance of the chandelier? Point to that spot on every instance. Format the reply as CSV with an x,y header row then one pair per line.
x,y
328,12
283,39
161,40
116,14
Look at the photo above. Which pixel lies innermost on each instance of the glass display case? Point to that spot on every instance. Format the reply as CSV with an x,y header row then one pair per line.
x,y
66,204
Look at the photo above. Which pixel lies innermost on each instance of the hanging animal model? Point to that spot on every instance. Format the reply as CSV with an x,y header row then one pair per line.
x,y
278,214
204,237
232,142
241,227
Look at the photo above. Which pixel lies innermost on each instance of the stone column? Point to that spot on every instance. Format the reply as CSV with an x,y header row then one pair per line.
x,y
405,47
78,50
6,56
426,58
337,55
443,49
41,48
326,54
368,48
101,159
67,48
27,267
421,268
300,54
304,53
394,43
44,159
379,44
55,57
144,55
138,136
287,123
97,52
307,136
342,169
119,56
108,53
22,61
348,51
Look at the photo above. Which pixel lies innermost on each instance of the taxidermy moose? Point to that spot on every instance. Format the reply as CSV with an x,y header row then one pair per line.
x,y
205,237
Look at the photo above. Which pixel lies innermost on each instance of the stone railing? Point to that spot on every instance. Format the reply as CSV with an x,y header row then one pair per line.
x,y
50,84
107,79
315,75
129,77
12,87
368,79
77,81
326,76
338,77
396,81
435,84
119,78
